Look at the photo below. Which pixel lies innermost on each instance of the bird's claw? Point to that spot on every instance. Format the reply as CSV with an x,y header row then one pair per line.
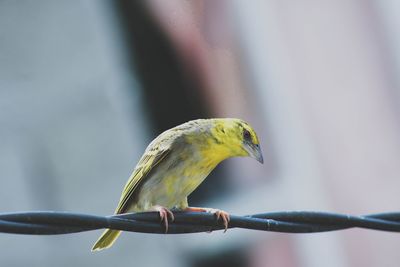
x,y
219,213
164,214
223,215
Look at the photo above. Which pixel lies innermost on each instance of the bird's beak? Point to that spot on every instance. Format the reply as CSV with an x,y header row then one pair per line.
x,y
255,152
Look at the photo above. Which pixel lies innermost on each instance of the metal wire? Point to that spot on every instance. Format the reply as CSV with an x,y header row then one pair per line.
x,y
55,223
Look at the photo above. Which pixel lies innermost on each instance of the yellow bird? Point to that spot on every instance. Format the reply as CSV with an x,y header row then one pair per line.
x,y
177,162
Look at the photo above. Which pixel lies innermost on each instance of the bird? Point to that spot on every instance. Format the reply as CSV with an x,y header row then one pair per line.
x,y
176,162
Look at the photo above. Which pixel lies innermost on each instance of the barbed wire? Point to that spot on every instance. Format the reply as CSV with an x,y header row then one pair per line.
x,y
55,223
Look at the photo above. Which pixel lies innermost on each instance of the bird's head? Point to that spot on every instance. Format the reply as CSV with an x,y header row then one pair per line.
x,y
238,137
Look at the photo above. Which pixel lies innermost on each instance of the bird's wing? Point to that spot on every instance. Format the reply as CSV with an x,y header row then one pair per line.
x,y
151,158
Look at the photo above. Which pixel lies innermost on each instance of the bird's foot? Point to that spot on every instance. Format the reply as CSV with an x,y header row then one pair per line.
x,y
219,213
164,214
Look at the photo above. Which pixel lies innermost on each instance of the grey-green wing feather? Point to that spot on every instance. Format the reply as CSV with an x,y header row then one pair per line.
x,y
153,156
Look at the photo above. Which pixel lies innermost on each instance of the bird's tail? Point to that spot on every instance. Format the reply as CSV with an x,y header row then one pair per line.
x,y
106,240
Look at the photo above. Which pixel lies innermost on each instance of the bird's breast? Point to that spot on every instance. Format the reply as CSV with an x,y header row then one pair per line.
x,y
174,180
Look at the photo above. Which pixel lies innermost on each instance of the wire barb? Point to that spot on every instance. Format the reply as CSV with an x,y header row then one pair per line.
x,y
55,223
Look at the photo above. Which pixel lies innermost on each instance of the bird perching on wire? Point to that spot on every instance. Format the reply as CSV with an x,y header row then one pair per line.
x,y
176,162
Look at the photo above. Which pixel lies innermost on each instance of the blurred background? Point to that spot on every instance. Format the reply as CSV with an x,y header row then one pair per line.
x,y
86,85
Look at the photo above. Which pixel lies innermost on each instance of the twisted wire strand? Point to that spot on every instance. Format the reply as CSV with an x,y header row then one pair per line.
x,y
55,223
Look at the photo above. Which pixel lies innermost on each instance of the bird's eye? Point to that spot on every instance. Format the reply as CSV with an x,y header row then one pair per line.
x,y
246,135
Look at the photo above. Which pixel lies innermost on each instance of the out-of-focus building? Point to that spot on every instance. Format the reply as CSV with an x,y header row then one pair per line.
x,y
84,86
